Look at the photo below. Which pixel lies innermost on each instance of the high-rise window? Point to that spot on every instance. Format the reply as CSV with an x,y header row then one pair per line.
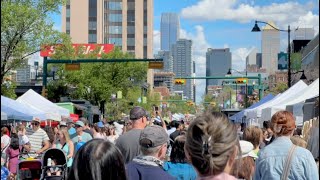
x,y
68,17
92,21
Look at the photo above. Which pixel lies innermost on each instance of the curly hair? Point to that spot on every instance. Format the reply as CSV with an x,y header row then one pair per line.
x,y
283,123
211,141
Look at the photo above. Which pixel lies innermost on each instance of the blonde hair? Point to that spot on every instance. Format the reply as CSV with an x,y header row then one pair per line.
x,y
253,134
297,140
211,142
65,134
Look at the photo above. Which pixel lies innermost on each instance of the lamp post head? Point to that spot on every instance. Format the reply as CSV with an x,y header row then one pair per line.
x,y
229,72
303,77
255,28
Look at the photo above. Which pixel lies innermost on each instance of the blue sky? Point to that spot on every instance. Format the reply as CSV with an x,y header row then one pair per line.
x,y
228,23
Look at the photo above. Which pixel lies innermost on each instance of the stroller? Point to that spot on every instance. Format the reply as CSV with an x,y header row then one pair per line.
x,y
29,168
58,171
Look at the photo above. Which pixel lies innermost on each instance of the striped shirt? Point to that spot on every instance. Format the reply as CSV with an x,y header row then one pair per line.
x,y
37,138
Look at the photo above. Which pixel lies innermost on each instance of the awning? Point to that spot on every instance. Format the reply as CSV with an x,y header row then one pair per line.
x,y
79,107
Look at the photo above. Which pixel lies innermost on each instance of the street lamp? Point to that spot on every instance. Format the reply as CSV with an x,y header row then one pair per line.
x,y
257,29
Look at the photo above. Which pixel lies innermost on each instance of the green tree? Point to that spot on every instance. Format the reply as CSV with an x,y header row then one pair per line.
x,y
96,82
280,88
25,26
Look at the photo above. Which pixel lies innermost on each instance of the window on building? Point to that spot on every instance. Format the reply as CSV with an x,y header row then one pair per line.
x,y
130,42
114,6
115,41
92,38
115,17
115,29
131,29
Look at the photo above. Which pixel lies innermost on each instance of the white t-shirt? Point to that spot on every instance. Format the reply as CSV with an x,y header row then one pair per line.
x,y
5,139
23,140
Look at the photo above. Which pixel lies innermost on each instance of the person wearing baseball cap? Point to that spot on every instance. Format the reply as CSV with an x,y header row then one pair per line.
x,y
153,143
128,143
38,138
70,124
80,135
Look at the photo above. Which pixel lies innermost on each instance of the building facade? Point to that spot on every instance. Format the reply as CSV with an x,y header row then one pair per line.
x,y
183,66
270,48
165,79
251,59
23,74
170,27
303,34
167,61
218,62
128,24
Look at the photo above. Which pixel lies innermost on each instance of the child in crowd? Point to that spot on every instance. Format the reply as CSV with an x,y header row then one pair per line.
x,y
54,171
13,153
24,142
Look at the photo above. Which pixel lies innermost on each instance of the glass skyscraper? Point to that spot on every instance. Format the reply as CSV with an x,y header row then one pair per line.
x,y
170,27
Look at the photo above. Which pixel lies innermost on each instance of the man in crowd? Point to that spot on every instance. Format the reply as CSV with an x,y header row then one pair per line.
x,y
153,145
80,135
179,127
71,129
128,143
38,138
86,127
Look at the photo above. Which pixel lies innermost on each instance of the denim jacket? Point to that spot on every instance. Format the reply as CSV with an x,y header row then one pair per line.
x,y
271,160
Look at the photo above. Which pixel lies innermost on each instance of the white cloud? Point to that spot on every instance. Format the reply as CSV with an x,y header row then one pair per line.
x,y
156,41
281,13
239,58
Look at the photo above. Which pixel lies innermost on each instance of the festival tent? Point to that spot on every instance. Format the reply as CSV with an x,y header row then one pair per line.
x,y
239,116
53,111
309,92
14,114
4,116
17,111
290,93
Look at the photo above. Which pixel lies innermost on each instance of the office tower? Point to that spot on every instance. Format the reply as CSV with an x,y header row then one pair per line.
x,y
303,34
251,59
126,23
270,48
218,62
182,65
167,61
24,74
170,27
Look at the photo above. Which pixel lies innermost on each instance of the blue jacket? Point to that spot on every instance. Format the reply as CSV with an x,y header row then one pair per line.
x,y
181,171
137,171
271,160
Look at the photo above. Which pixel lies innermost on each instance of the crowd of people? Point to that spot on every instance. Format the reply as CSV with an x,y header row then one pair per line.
x,y
209,147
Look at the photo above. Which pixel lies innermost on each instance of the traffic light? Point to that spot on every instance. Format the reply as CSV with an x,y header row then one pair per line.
x,y
44,92
242,80
180,82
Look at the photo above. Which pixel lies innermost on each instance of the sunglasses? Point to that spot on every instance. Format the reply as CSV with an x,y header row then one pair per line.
x,y
35,124
76,126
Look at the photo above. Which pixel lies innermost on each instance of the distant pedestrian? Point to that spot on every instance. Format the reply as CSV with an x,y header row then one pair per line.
x,y
13,152
38,138
98,159
128,143
212,146
86,127
80,137
282,159
149,165
178,166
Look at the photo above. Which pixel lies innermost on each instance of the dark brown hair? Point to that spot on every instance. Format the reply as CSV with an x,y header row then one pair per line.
x,y
283,123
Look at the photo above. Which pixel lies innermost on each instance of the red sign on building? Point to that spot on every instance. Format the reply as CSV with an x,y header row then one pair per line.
x,y
47,51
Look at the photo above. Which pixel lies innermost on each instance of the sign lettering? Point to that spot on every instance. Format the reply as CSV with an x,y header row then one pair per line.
x,y
47,51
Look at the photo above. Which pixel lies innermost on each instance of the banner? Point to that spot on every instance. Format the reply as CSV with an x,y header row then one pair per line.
x,y
47,51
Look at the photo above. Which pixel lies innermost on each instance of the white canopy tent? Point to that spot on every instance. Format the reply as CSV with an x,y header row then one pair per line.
x,y
300,96
4,116
290,93
53,111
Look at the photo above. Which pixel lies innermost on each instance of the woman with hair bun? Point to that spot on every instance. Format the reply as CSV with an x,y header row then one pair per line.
x,y
282,159
212,145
